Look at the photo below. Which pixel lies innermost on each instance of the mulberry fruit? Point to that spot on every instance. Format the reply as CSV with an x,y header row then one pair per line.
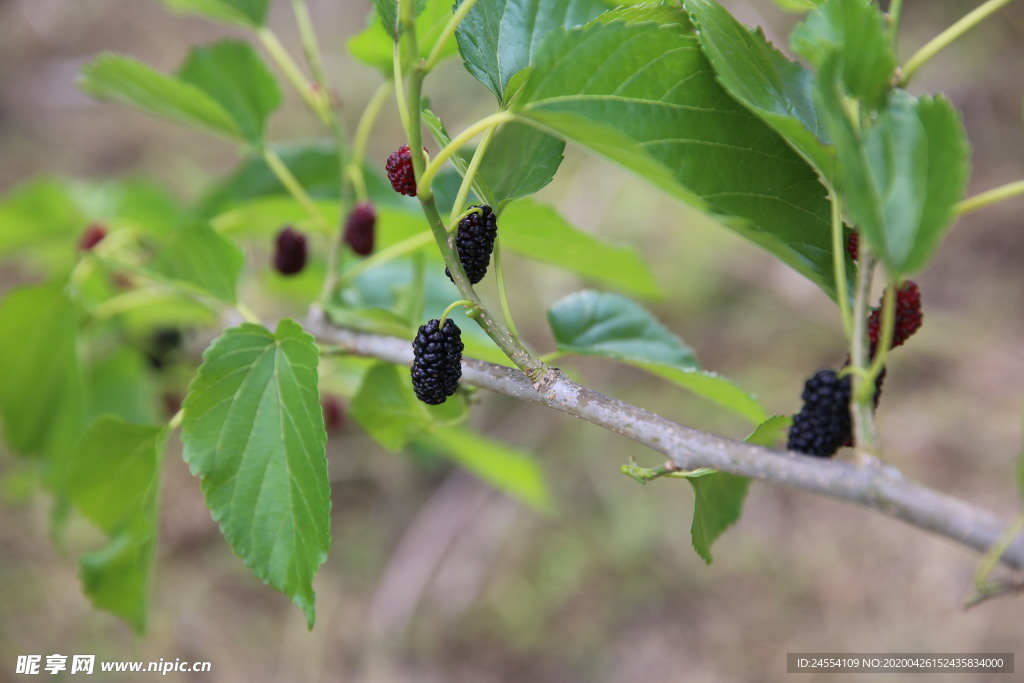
x,y
360,228
400,171
437,361
334,413
163,346
908,317
853,244
475,241
290,251
92,236
823,423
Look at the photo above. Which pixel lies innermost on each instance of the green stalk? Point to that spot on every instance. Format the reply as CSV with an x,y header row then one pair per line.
x,y
397,250
317,101
895,12
499,274
481,126
990,197
863,410
446,34
471,171
867,389
947,37
451,307
839,263
362,137
991,558
309,42
295,188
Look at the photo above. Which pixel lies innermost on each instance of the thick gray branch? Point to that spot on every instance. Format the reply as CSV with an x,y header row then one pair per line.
x,y
882,487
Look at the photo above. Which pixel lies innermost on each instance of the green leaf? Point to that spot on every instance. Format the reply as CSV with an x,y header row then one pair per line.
x,y
232,73
520,161
539,232
41,395
712,386
248,13
507,469
778,91
657,110
196,255
388,11
387,408
610,325
903,173
798,5
114,482
498,38
375,45
855,31
771,431
126,80
254,433
123,386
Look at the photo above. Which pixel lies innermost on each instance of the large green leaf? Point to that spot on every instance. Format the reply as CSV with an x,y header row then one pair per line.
x,y
719,496
854,30
375,45
520,161
249,13
114,482
539,232
642,94
387,408
903,173
198,256
756,74
232,74
610,325
41,395
121,385
712,386
499,38
126,80
254,433
507,469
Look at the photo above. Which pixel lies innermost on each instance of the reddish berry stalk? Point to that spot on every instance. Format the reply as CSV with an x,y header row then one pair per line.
x,y
360,228
290,251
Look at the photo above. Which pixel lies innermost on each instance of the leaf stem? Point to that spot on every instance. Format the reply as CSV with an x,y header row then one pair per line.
x,y
481,126
471,170
863,410
895,12
839,263
446,34
316,99
499,275
362,137
867,388
396,250
451,307
295,189
944,39
990,197
991,558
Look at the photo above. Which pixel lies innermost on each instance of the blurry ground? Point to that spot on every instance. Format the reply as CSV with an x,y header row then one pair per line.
x,y
433,577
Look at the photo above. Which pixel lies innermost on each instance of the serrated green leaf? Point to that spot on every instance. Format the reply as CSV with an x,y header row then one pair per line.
x,y
41,395
113,480
903,173
610,325
778,91
539,232
387,408
198,256
254,433
498,38
233,74
388,11
855,32
657,110
770,431
249,13
520,161
375,45
507,469
712,386
126,80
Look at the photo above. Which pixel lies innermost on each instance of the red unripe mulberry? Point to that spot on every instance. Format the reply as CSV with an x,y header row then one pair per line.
x,y
361,228
92,236
400,171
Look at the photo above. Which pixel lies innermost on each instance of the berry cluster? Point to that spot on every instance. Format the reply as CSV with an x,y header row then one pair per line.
x,y
400,171
437,361
908,317
475,242
290,251
360,228
823,423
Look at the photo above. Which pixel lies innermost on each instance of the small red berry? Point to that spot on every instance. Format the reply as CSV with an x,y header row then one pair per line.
x,y
400,171
334,413
908,317
290,251
360,228
853,244
92,236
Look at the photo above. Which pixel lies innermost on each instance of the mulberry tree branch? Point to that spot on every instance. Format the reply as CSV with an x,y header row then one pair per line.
x,y
879,486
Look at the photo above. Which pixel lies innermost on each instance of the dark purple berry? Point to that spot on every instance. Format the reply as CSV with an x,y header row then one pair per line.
x,y
437,361
909,317
474,242
823,423
853,244
290,251
334,413
360,228
92,236
400,171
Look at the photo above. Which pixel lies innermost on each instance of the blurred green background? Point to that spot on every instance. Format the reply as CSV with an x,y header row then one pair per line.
x,y
433,576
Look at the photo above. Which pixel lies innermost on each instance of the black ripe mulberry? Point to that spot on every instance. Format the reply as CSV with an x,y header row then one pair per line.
x,y
475,242
823,423
908,317
360,228
400,171
290,251
437,361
